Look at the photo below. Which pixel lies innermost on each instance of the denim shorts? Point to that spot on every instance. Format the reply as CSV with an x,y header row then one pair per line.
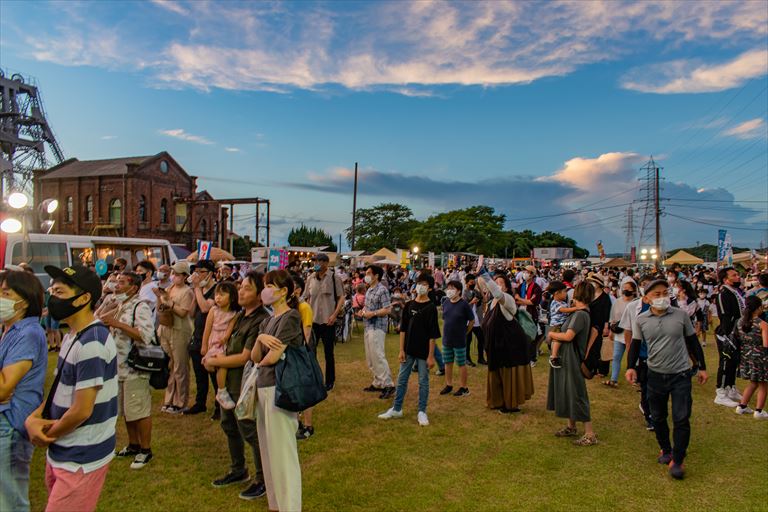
x,y
458,354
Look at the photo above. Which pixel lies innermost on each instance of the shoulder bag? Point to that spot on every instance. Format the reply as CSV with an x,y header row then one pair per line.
x,y
150,359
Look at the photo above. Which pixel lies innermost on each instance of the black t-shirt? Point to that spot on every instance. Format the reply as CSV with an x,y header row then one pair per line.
x,y
200,318
600,312
419,323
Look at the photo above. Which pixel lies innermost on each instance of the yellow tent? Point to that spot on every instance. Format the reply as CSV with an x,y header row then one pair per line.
x,y
384,254
683,258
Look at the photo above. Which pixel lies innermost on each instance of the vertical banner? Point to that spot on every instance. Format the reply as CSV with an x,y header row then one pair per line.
x,y
633,255
600,249
431,260
283,259
720,246
728,248
204,249
273,261
403,259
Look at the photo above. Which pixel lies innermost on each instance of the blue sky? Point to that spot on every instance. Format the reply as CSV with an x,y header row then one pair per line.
x,y
534,108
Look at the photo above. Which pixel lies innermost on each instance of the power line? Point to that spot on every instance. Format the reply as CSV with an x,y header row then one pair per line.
x,y
710,200
699,221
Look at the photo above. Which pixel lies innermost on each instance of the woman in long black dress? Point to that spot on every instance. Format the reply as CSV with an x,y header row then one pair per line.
x,y
509,381
567,391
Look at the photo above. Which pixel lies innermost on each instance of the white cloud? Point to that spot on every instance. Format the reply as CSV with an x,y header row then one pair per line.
x,y
683,76
279,46
751,129
172,6
179,133
232,150
108,137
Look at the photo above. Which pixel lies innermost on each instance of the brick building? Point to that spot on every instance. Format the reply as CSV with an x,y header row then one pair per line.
x,y
134,197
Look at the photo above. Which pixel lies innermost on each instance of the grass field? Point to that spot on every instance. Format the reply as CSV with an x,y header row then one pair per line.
x,y
468,459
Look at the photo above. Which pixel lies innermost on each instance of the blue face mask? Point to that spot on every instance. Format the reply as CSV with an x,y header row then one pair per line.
x,y
317,268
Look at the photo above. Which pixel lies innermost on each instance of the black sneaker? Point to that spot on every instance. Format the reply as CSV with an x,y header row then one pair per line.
x,y
254,491
387,393
555,362
305,432
128,451
373,389
329,387
676,471
141,460
649,426
446,390
216,416
195,409
229,479
664,458
440,373
471,363
462,392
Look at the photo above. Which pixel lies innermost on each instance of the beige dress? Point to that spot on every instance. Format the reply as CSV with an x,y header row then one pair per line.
x,y
175,340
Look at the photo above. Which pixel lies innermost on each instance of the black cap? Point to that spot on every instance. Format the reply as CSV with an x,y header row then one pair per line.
x,y
321,256
655,284
206,265
77,275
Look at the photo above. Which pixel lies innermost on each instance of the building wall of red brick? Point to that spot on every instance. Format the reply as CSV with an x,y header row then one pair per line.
x,y
147,182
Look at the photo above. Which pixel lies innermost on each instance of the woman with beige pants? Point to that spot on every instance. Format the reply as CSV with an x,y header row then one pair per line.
x,y
277,427
178,300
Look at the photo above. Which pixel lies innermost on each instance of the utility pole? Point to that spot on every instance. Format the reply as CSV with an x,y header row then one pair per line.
x,y
651,206
658,218
354,213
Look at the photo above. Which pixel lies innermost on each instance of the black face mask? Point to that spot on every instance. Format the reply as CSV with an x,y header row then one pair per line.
x,y
628,293
60,309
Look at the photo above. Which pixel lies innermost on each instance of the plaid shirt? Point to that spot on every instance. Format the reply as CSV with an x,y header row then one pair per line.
x,y
377,298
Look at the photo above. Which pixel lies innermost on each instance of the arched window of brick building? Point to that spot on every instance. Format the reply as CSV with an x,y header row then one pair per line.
x,y
142,209
115,212
89,209
164,211
203,229
70,209
215,232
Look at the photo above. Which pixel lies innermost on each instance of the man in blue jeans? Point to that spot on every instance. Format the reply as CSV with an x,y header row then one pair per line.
x,y
672,343
418,331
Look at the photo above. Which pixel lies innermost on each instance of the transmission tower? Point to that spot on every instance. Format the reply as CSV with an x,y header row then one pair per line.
x,y
650,230
629,241
25,134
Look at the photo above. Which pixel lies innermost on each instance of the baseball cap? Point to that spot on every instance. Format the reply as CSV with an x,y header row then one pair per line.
x,y
321,256
655,284
79,276
181,267
531,269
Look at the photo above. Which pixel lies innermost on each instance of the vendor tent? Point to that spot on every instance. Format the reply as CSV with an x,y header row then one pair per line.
x,y
617,262
385,254
683,258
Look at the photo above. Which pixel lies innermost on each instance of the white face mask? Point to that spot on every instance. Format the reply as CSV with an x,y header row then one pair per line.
x,y
421,289
7,309
451,293
367,279
662,303
526,276
161,275
121,297
111,285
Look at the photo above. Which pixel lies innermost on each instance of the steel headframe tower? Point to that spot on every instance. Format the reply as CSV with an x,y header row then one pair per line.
x,y
650,231
24,134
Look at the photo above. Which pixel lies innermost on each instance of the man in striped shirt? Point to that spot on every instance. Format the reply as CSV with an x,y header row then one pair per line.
x,y
77,421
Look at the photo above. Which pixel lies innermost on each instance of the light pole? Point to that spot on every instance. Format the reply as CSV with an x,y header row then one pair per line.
x,y
19,201
649,255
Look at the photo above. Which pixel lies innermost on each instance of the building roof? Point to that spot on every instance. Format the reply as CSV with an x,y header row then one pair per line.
x,y
74,168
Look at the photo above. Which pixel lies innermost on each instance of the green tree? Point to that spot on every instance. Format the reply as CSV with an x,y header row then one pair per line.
x,y
477,229
304,236
387,225
242,248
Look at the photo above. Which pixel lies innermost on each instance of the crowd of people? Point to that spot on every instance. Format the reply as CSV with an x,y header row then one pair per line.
x,y
221,322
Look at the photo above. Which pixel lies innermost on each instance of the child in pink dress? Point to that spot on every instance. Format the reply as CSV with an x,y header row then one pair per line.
x,y
218,329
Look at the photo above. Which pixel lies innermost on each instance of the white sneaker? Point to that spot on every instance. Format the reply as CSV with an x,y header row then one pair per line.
x,y
722,398
141,460
391,414
761,415
422,419
734,394
225,401
743,410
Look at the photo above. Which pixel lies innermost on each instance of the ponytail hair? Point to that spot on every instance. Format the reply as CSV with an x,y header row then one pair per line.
x,y
751,304
282,279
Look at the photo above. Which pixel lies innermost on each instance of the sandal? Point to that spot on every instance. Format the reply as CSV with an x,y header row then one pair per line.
x,y
586,440
566,432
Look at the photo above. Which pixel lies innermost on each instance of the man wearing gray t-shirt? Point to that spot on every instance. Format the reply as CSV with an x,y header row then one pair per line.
x,y
672,344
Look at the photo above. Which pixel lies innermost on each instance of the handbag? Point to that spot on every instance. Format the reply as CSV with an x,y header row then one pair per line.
x,y
586,371
165,315
150,359
338,325
246,403
525,320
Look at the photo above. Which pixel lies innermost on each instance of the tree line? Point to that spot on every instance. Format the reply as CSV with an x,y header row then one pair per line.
x,y
477,229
